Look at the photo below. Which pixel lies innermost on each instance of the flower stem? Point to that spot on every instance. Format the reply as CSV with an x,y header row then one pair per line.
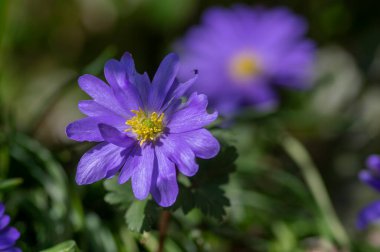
x,y
313,179
163,228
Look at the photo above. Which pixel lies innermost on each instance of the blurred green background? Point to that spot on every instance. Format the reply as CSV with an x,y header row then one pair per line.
x,y
44,47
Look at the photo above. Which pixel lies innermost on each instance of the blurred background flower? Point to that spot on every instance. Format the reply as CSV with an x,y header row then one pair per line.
x,y
243,53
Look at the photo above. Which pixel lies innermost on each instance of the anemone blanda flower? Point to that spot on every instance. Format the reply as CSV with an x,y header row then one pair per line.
x,y
244,53
144,129
8,235
371,177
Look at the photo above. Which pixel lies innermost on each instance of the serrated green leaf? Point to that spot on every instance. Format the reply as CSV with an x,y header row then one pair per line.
x,y
118,194
67,246
142,215
205,191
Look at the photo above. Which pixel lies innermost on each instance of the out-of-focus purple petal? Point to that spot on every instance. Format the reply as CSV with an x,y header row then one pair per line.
x,y
87,129
373,163
2,209
202,143
163,81
369,179
8,237
193,116
262,96
114,136
370,214
101,93
142,175
181,154
102,161
4,221
165,188
125,93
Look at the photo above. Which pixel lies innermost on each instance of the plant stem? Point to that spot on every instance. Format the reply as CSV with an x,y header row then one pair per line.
x,y
163,227
313,179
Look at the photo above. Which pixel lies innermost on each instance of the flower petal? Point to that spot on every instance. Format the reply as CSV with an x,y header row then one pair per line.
x,y
125,93
101,93
142,175
86,129
92,108
8,237
181,154
178,90
165,188
129,66
202,143
142,83
162,81
102,161
370,180
4,221
368,215
114,136
130,165
373,163
193,116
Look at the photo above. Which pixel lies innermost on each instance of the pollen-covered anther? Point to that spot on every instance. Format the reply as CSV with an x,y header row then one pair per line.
x,y
147,127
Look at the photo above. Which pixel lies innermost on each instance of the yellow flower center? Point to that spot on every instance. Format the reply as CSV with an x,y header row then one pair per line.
x,y
146,127
244,66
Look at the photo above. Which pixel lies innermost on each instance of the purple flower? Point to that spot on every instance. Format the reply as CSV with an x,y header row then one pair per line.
x,y
243,53
371,177
8,235
144,129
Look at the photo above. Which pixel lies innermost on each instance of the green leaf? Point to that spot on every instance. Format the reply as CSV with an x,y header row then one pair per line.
x,y
118,194
67,246
10,183
142,215
205,191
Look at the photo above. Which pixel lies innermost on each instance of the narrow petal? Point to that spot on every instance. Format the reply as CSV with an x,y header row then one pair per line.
x,y
181,154
101,93
370,180
142,83
142,175
202,143
193,116
102,161
92,108
125,93
114,136
129,66
133,161
2,209
178,90
4,221
373,163
368,215
162,81
86,129
165,188
8,237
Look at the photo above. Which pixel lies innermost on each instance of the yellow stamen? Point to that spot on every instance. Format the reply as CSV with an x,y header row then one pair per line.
x,y
146,127
244,66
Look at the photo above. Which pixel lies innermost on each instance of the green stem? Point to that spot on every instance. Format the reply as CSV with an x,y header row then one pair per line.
x,y
301,157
